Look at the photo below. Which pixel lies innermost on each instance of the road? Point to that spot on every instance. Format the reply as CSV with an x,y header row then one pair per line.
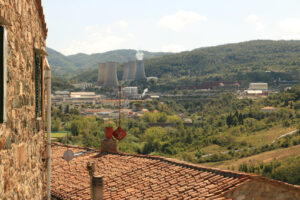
x,y
284,135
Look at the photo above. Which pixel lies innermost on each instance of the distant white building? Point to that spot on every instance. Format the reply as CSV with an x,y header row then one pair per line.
x,y
83,85
82,94
84,97
254,92
60,96
258,86
130,92
65,93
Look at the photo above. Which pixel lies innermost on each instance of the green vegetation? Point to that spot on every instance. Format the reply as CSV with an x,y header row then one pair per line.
x,y
286,170
251,131
226,60
253,61
223,128
68,66
59,134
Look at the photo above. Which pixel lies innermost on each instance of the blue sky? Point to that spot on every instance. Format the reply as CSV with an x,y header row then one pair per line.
x,y
94,26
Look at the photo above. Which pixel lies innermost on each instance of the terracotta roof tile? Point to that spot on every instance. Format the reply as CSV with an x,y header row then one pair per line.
x,y
130,176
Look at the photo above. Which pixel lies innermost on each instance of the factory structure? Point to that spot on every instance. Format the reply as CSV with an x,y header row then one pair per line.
x,y
257,89
107,74
133,70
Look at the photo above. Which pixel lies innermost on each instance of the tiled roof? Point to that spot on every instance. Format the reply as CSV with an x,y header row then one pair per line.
x,y
138,177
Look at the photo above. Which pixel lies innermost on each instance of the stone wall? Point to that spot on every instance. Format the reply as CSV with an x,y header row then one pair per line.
x,y
262,190
22,138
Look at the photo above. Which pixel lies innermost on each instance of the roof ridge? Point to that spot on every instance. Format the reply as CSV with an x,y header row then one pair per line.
x,y
222,172
185,164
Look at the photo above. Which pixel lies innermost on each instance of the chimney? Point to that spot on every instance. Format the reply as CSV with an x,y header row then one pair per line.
x,y
97,188
108,144
96,183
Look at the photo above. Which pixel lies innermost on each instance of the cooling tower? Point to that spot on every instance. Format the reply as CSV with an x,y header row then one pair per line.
x,y
125,72
132,70
101,73
111,79
140,70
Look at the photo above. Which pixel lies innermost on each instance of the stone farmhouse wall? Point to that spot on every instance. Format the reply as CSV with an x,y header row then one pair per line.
x,y
263,190
22,135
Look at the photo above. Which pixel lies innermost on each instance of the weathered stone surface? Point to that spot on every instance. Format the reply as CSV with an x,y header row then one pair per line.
x,y
22,171
262,190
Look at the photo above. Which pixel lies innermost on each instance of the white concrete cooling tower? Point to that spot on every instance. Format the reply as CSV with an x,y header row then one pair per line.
x,y
101,73
126,67
140,70
132,70
111,79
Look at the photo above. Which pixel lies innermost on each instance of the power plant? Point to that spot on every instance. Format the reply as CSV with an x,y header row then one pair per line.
x,y
101,73
140,70
125,72
111,79
107,74
133,70
129,71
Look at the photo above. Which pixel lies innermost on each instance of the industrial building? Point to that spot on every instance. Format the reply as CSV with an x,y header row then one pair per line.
x,y
133,70
101,73
258,86
83,85
83,97
257,89
130,92
140,70
61,97
126,68
107,74
129,71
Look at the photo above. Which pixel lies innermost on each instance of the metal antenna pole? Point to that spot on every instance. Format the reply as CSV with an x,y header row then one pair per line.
x,y
119,106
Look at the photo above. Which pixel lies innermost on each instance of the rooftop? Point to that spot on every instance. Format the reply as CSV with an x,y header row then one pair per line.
x,y
141,176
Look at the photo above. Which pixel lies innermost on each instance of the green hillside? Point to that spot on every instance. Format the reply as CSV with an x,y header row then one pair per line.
x,y
68,66
259,60
259,55
59,63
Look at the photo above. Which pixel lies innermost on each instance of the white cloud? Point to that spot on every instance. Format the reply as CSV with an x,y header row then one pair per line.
x,y
256,21
98,40
109,30
122,23
130,35
289,28
285,29
180,20
174,48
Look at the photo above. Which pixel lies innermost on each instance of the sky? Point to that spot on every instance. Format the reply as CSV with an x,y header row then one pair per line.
x,y
96,26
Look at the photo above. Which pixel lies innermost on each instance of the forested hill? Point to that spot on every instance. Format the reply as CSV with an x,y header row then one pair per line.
x,y
63,66
245,61
258,55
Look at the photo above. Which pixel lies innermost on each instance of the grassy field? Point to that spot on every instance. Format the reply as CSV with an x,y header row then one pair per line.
x,y
257,139
265,157
58,134
264,137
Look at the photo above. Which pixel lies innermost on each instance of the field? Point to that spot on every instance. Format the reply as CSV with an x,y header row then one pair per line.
x,y
278,154
257,139
56,135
